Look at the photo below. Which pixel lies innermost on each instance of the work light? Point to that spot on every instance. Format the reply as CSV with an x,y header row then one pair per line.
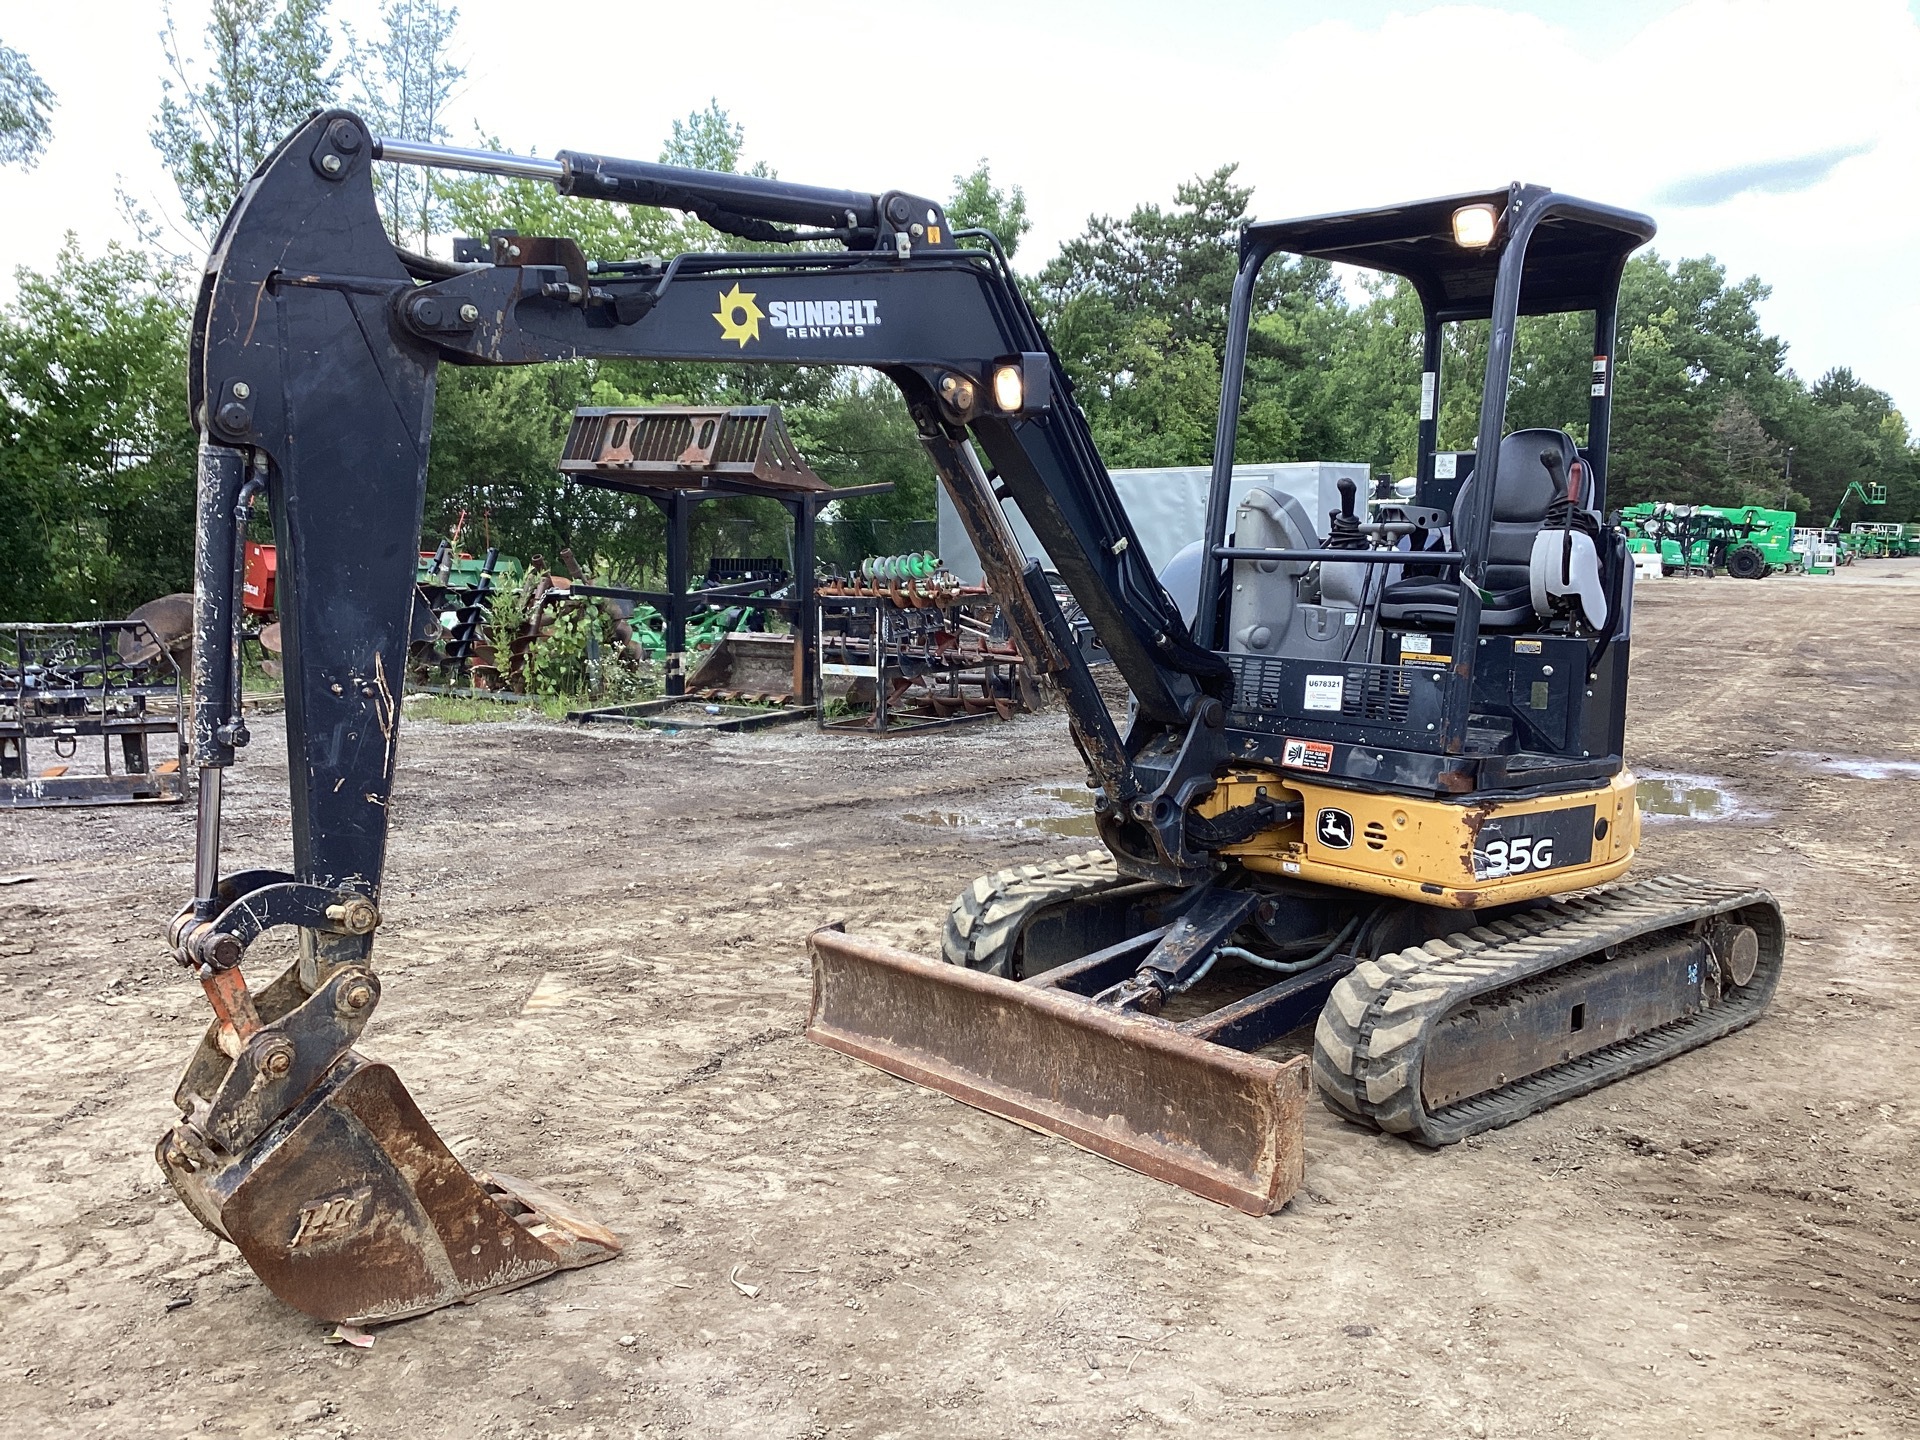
x,y
1009,388
1473,226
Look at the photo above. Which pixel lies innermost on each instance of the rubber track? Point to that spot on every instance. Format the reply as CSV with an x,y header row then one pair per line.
x,y
984,926
1368,1042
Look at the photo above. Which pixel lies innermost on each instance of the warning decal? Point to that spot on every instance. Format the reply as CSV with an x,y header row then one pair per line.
x,y
1314,755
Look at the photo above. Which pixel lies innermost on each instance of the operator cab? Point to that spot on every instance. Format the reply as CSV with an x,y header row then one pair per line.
x,y
1476,638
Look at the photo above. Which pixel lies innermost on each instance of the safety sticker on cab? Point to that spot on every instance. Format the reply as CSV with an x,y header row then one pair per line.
x,y
1314,755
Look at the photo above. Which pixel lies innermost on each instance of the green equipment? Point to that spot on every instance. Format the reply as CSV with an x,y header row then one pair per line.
x,y
1869,495
1820,551
1883,540
1847,545
1748,542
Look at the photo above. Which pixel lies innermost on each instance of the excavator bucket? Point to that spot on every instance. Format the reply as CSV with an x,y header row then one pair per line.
x,y
1225,1125
347,1204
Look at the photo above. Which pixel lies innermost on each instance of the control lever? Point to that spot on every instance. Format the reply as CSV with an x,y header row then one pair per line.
x,y
1344,533
1556,468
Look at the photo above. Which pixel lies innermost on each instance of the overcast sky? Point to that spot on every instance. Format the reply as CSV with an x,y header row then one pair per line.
x,y
1783,138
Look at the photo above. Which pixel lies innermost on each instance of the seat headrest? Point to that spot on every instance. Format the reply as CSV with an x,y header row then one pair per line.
x,y
1524,487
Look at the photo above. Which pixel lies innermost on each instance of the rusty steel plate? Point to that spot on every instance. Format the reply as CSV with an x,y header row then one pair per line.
x,y
352,1209
1227,1126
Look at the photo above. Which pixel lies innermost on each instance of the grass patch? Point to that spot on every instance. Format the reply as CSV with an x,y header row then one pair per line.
x,y
462,710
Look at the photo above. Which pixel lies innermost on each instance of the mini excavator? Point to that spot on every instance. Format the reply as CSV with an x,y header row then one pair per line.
x,y
1372,778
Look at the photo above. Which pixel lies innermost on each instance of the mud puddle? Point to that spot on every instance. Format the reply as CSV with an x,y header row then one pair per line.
x,y
1665,796
1056,809
1858,766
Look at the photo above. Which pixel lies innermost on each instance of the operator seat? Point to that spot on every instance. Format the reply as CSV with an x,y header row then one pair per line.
x,y
1523,490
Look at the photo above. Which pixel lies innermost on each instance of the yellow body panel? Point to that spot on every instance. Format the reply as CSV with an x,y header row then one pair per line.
x,y
1425,850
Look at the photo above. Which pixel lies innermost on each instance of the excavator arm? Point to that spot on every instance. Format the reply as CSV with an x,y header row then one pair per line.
x,y
316,344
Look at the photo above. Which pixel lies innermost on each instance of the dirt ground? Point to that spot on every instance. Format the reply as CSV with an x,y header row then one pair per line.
x,y
595,977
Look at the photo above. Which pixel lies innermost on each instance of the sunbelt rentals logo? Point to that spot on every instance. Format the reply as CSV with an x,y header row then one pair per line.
x,y
740,316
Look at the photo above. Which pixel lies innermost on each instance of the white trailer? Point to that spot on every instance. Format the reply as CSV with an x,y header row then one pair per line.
x,y
1168,507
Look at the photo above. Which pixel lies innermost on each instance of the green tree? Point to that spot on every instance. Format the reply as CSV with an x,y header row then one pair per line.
x,y
24,102
979,204
1663,443
1137,309
404,80
96,453
266,69
708,139
1709,411
1371,393
1752,460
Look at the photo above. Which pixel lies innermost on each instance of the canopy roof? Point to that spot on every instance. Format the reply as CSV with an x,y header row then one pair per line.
x,y
1573,258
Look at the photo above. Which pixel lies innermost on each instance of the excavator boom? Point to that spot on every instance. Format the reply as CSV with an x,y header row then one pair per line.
x,y
315,348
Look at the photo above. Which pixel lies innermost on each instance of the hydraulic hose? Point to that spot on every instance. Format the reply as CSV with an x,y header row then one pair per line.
x,y
1291,967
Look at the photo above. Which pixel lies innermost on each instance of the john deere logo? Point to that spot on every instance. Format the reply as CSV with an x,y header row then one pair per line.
x,y
739,317
1335,829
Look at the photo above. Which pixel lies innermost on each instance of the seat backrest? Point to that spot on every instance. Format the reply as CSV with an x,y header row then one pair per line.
x,y
1523,488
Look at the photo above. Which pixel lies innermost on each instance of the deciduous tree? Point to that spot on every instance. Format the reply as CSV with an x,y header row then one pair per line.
x,y
25,102
96,453
266,67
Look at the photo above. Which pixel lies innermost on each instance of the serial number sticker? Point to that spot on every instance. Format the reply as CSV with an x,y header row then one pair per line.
x,y
1315,755
1526,647
1324,692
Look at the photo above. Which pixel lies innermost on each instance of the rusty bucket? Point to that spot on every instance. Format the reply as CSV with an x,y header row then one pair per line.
x,y
318,1165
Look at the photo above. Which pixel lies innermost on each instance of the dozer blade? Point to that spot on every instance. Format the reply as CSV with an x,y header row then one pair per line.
x,y
1225,1125
352,1209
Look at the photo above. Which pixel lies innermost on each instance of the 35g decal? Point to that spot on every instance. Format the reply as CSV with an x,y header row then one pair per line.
x,y
1513,857
1507,846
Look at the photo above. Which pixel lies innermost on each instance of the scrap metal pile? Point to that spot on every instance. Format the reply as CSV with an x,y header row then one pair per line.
x,y
114,684
918,646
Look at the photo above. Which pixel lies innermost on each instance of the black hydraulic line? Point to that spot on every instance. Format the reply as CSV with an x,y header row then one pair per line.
x,y
1451,558
1295,967
223,480
724,200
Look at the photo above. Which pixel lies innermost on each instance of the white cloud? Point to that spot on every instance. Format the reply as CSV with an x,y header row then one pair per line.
x,y
1094,107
